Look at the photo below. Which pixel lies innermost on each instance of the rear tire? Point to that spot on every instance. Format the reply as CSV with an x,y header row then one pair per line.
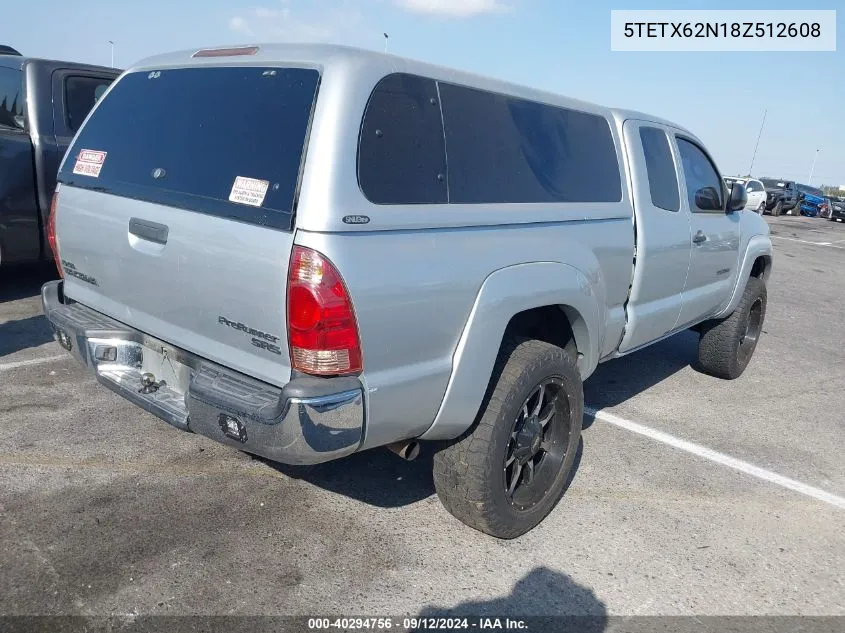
x,y
726,345
777,209
509,470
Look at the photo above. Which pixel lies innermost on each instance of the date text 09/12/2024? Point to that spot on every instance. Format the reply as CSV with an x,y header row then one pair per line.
x,y
416,623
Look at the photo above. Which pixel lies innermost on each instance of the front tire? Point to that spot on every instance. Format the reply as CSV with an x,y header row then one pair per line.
x,y
762,208
726,345
508,472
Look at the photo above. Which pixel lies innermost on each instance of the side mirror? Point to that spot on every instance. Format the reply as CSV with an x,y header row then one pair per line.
x,y
708,198
738,198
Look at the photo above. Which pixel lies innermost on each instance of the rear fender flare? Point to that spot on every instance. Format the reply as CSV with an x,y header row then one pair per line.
x,y
505,293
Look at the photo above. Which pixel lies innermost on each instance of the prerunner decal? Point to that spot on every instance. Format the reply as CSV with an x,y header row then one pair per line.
x,y
249,191
261,340
89,162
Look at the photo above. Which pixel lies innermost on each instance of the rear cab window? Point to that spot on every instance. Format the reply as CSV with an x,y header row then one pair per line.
x,y
11,98
773,184
224,141
81,94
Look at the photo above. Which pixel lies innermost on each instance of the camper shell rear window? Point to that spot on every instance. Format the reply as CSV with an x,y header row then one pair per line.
x,y
224,141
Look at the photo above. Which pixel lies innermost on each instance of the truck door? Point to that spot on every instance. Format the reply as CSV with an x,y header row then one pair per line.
x,y
19,237
715,235
662,235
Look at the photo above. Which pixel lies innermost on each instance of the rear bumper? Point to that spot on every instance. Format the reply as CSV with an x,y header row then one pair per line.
x,y
309,421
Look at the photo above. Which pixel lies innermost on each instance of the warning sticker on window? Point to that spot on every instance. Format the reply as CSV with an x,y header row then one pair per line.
x,y
249,191
89,162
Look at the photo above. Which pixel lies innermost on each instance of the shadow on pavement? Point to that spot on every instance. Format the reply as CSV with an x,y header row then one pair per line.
x,y
22,282
548,600
377,476
619,380
24,333
380,478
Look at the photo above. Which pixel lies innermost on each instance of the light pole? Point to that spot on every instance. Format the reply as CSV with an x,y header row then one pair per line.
x,y
751,168
813,168
112,53
386,37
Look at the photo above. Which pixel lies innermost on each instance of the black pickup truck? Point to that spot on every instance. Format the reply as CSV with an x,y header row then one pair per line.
x,y
42,104
781,196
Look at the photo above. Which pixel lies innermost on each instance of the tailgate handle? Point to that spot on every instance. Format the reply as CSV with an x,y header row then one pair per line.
x,y
150,231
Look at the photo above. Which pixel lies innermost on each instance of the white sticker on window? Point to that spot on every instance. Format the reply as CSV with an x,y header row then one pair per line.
x,y
89,162
249,191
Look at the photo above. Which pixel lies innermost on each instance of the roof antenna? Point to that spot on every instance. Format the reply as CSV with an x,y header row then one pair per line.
x,y
386,37
757,144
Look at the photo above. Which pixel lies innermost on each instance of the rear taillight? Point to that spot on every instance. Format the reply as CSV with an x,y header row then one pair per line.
x,y
51,232
322,330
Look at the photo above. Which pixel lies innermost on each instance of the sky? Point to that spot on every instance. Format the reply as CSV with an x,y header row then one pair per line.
x,y
562,46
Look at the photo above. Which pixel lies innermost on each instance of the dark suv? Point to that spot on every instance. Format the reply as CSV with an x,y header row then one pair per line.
x,y
781,196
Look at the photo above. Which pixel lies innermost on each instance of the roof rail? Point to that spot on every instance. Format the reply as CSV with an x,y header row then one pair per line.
x,y
8,50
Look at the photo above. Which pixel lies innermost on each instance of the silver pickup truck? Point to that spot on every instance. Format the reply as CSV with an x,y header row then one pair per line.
x,y
307,251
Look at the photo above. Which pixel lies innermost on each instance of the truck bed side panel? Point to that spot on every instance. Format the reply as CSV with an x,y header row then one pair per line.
x,y
413,292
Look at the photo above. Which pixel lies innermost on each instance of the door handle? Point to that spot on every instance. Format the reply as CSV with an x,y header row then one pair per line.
x,y
150,231
699,237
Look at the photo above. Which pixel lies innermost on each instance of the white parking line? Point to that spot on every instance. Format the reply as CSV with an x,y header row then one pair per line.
x,y
795,239
28,363
719,458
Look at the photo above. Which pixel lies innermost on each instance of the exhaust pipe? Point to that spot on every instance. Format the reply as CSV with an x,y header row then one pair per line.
x,y
407,449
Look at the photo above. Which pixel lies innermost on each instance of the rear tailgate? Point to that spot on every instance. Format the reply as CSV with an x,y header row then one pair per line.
x,y
175,208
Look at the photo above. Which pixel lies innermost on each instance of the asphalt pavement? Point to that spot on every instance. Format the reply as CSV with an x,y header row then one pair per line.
x,y
693,496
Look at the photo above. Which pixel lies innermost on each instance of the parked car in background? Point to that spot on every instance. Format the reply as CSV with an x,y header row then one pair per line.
x,y
809,200
781,196
42,104
755,190
837,209
824,209
220,280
